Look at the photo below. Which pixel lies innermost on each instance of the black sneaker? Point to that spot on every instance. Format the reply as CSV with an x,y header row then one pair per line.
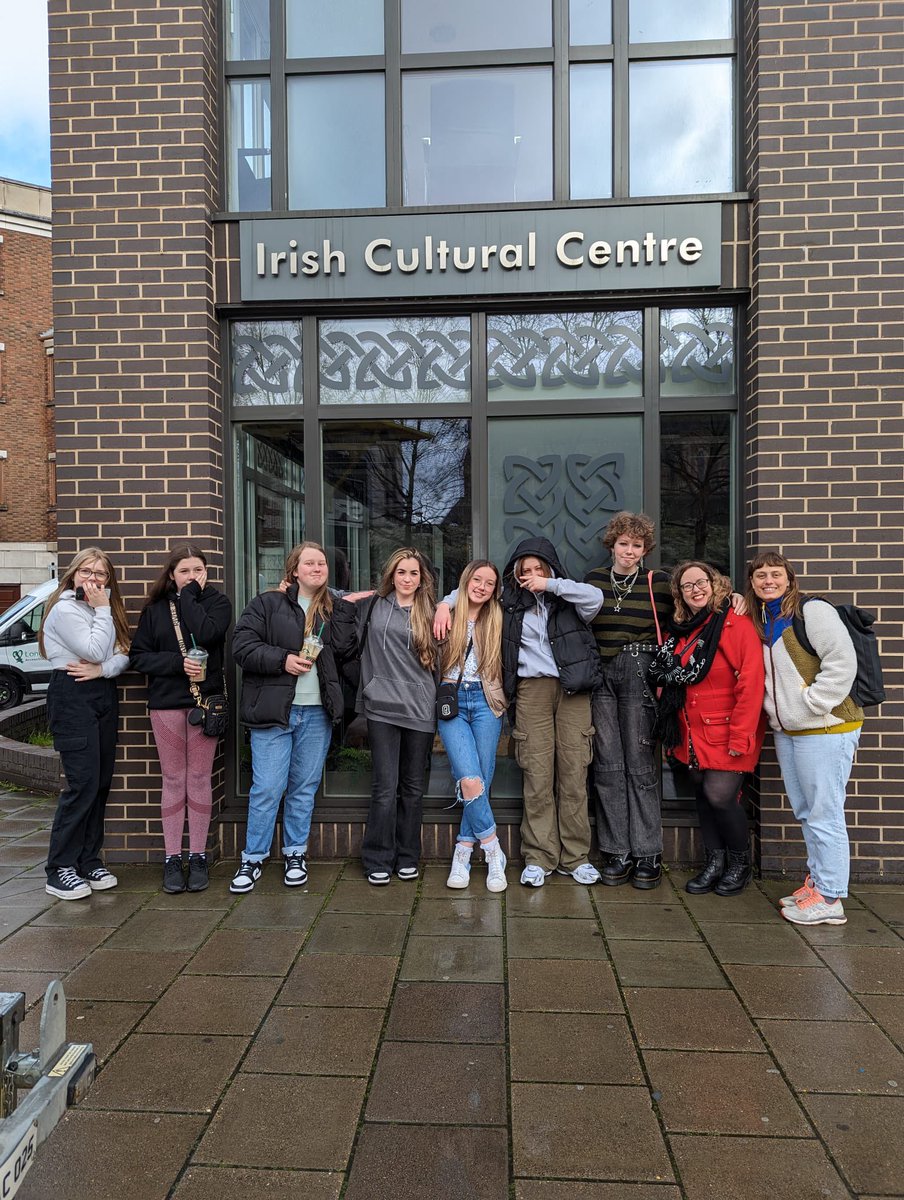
x,y
245,877
67,884
173,879
198,877
295,872
100,879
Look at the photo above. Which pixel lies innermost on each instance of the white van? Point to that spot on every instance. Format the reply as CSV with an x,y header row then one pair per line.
x,y
23,671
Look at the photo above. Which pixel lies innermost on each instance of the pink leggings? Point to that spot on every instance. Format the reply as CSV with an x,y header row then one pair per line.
x,y
186,762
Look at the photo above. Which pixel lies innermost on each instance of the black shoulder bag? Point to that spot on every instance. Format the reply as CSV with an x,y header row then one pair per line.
x,y
447,691
211,714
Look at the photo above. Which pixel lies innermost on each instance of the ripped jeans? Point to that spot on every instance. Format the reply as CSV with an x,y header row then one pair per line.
x,y
470,740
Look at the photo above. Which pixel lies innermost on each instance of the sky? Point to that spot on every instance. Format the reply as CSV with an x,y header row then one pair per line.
x,y
24,111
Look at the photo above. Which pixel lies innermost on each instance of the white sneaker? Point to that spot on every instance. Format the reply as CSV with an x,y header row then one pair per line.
x,y
460,874
585,873
533,876
813,910
496,860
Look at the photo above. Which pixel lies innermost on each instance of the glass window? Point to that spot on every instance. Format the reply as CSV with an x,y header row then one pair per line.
x,y
337,156
477,137
682,121
248,29
590,22
696,488
590,104
677,21
266,362
405,360
248,159
540,355
697,351
332,29
441,26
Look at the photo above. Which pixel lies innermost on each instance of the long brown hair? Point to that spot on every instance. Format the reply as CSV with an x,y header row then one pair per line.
x,y
721,586
424,607
792,601
161,584
117,608
321,607
487,628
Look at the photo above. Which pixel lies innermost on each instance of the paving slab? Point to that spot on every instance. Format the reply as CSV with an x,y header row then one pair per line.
x,y
665,964
14,916
137,878
447,1012
572,1048
691,1019
216,1183
795,993
778,945
294,1122
212,1004
749,907
358,896
562,985
863,928
458,915
345,980
747,1168
13,854
32,983
316,1041
836,1056
887,1011
109,909
662,922
155,929
358,933
626,893
888,904
553,937
433,1162
247,952
546,1189
287,909
465,959
28,883
548,901
867,969
105,1024
125,974
49,949
553,1129
438,1083
864,1134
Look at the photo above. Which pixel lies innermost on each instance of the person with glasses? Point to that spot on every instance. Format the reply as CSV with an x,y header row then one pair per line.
x,y
85,637
710,668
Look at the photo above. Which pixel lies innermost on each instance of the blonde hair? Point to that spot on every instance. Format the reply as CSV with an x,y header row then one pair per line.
x,y
321,607
424,606
722,587
487,629
117,609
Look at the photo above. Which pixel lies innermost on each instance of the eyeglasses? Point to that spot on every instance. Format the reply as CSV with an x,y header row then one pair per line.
x,y
87,573
698,585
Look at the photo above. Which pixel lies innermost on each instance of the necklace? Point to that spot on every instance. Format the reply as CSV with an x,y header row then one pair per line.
x,y
621,588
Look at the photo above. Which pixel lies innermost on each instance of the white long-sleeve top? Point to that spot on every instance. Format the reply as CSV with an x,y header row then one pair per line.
x,y
74,630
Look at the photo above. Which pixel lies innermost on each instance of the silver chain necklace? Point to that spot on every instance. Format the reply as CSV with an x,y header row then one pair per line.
x,y
621,588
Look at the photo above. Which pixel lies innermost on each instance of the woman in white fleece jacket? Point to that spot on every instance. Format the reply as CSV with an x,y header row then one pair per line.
x,y
816,726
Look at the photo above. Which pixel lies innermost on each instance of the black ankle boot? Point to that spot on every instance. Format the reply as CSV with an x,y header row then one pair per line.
x,y
616,869
647,871
737,874
707,879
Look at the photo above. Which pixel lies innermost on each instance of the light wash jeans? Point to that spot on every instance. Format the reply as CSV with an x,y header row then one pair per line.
x,y
291,761
815,770
470,740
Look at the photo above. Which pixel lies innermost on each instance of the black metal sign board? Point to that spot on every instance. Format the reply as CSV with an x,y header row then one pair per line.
x,y
502,252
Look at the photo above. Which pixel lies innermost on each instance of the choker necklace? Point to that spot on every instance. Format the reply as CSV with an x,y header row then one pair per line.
x,y
621,588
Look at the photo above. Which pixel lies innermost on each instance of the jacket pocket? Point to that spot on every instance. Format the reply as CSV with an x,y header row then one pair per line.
x,y
716,729
396,698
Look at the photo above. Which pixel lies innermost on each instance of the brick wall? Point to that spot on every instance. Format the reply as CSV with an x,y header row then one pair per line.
x,y
825,423
139,436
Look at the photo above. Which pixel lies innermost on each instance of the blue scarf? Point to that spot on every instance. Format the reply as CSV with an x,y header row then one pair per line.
x,y
774,624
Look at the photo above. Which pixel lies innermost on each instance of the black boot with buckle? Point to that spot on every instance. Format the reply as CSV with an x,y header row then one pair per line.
x,y
616,869
737,874
707,879
647,871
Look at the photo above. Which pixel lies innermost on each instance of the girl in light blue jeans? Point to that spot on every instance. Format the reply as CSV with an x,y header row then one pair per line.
x,y
473,657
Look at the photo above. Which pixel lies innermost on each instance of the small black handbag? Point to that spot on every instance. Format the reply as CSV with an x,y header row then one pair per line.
x,y
211,714
447,692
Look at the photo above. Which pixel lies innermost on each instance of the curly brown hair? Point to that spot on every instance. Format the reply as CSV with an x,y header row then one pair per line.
x,y
635,525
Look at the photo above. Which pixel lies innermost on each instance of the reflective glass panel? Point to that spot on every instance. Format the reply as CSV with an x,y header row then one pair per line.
x,y
591,22
403,360
678,21
682,120
477,137
441,26
541,355
333,28
248,155
266,362
590,105
247,29
697,351
336,141
696,488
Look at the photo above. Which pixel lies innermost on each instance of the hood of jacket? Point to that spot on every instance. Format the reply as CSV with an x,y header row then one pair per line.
x,y
536,547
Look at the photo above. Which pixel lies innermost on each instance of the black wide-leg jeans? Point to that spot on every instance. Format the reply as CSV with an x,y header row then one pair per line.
x,y
84,720
392,836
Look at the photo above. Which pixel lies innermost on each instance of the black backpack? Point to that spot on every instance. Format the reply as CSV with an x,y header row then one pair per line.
x,y
867,689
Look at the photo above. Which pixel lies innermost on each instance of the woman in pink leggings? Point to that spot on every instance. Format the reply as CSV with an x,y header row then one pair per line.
x,y
181,595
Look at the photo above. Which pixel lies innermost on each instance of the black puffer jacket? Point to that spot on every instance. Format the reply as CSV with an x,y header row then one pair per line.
x,y
204,616
570,638
271,628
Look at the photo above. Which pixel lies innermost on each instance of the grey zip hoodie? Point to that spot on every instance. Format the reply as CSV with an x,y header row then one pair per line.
x,y
75,630
395,688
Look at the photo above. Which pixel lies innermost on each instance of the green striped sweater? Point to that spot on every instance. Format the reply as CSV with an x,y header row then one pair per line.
x,y
634,623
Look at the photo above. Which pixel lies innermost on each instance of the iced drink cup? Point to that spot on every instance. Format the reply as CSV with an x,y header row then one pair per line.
x,y
311,647
196,654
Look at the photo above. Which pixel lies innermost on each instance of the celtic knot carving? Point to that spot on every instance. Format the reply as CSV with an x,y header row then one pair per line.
x,y
586,356
698,349
266,362
568,500
362,360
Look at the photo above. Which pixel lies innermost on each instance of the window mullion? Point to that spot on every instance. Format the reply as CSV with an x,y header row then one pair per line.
x,y
620,112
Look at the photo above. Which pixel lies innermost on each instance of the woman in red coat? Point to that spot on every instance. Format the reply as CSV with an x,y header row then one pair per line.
x,y
711,716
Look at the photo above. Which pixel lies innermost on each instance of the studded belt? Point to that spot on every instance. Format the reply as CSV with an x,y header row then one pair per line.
x,y
640,648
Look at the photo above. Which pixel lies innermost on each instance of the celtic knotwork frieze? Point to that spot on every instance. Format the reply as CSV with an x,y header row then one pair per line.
x,y
584,357
266,362
567,499
697,349
421,364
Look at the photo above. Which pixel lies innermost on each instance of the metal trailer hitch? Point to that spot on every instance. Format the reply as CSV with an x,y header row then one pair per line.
x,y
57,1074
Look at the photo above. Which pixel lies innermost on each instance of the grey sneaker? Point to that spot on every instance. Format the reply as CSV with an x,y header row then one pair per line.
x,y
813,910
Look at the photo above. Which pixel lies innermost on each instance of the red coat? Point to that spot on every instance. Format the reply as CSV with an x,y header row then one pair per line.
x,y
725,711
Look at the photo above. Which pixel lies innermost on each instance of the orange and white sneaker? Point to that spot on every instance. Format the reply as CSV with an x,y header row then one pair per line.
x,y
805,890
814,910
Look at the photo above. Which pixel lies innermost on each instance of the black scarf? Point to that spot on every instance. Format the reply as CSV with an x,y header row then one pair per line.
x,y
676,673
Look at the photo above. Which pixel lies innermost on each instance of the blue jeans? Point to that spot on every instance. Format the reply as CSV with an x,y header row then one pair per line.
x,y
291,761
470,740
815,771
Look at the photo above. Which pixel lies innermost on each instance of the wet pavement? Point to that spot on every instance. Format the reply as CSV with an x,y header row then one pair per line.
x,y
564,1043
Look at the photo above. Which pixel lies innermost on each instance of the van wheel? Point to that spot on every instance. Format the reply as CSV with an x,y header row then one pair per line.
x,y
10,691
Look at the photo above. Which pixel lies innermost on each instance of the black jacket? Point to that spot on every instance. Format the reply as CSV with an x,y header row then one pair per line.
x,y
203,615
571,639
271,628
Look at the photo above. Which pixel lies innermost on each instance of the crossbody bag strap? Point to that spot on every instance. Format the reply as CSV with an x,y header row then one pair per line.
x,y
655,613
192,686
